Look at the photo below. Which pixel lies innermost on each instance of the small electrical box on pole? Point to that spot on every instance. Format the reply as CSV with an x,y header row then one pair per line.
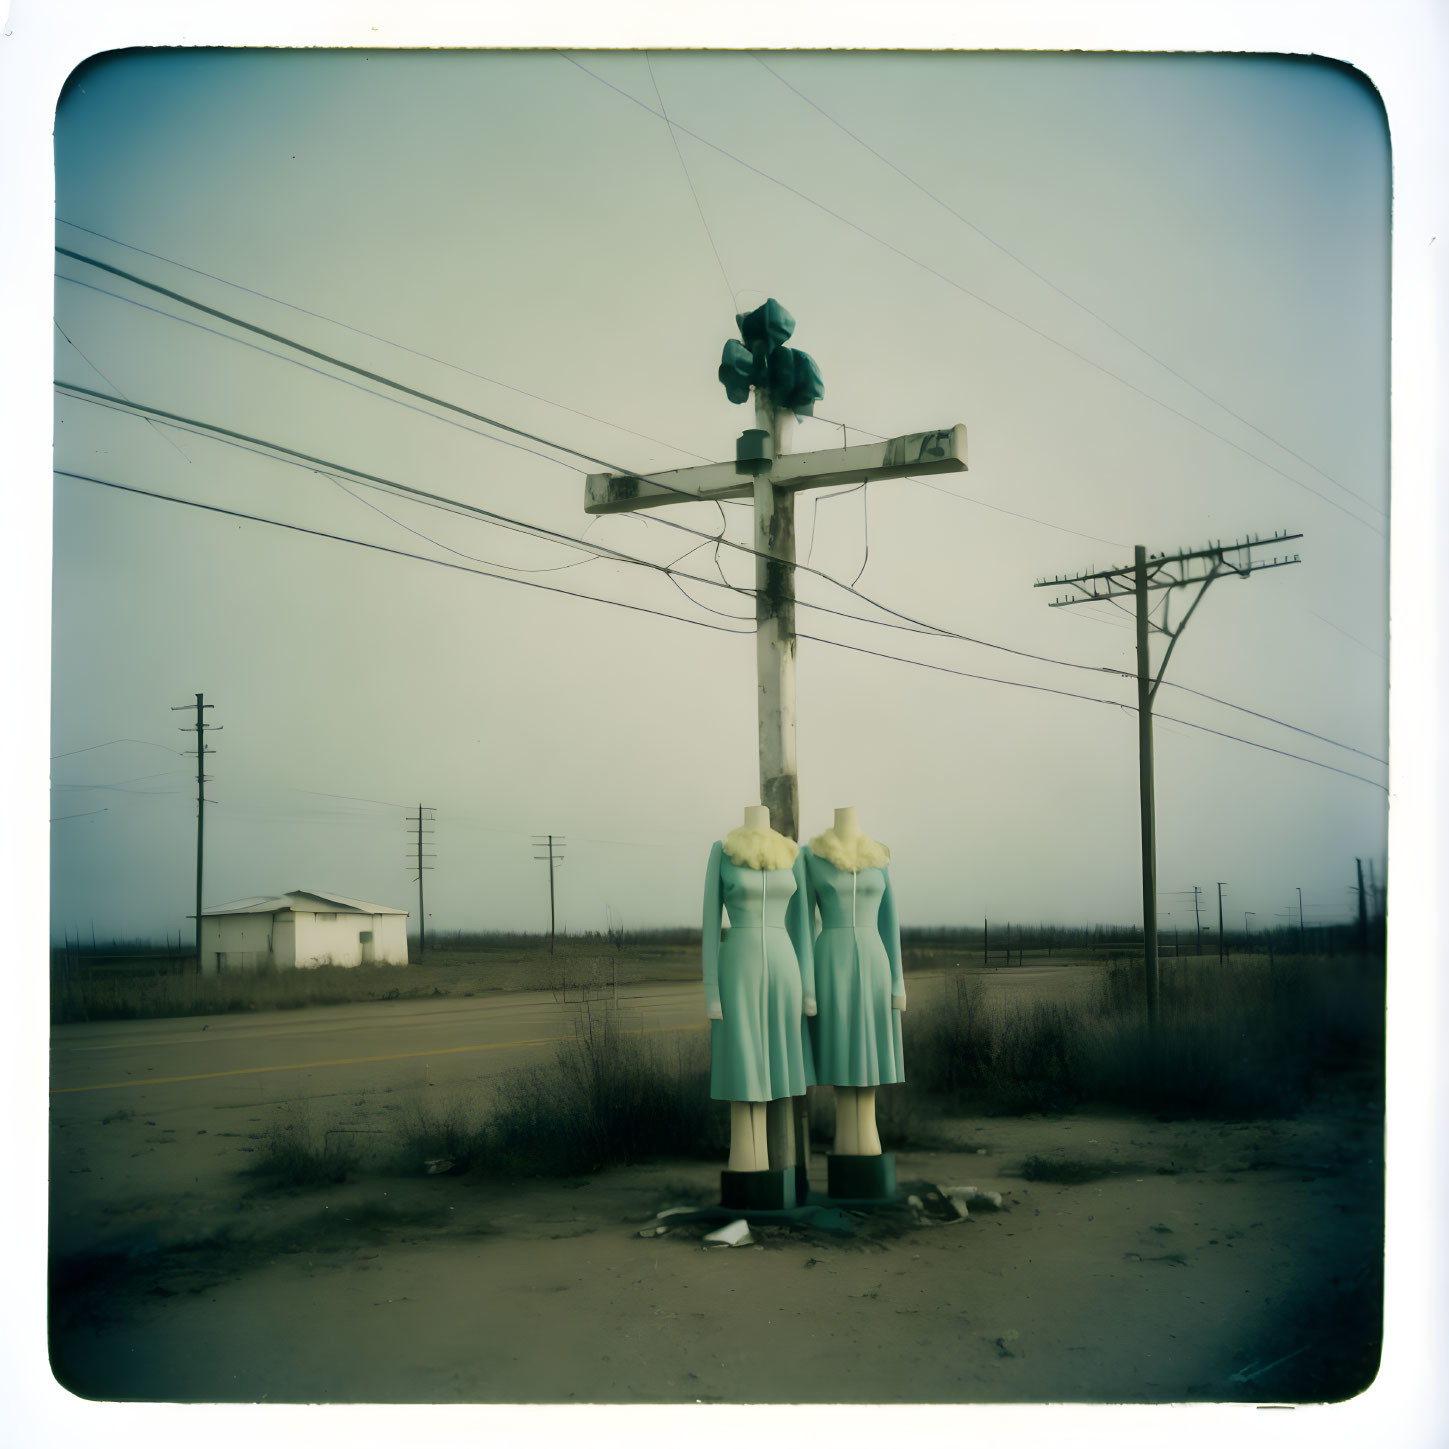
x,y
1145,575
785,383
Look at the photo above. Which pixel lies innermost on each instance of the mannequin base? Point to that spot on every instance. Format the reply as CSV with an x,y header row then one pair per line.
x,y
769,1190
861,1178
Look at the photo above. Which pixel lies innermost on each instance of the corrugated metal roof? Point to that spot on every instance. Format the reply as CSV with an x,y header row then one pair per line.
x,y
303,901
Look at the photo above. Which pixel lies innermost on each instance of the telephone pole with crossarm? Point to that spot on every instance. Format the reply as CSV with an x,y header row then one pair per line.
x,y
785,383
1144,576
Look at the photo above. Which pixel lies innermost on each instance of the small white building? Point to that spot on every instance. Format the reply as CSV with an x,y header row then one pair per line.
x,y
301,928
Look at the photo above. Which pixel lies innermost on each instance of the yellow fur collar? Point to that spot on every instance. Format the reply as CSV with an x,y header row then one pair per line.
x,y
851,856
760,849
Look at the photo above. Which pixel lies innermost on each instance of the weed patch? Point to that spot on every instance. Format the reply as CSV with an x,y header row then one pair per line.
x,y
291,1158
1071,1171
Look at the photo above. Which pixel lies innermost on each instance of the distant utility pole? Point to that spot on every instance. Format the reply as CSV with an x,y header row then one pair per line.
x,y
1222,943
201,752
1137,580
1362,912
1247,938
786,383
426,816
1302,949
553,847
1197,916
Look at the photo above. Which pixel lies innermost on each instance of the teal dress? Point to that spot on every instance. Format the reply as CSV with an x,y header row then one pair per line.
x,y
759,979
856,1033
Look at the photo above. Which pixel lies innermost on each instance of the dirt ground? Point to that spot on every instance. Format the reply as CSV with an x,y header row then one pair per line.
x,y
1207,1261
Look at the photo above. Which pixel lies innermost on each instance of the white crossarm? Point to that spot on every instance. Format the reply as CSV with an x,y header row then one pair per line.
x,y
910,456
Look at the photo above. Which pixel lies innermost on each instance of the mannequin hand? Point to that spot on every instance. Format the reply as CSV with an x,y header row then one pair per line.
x,y
715,1013
899,1002
810,1007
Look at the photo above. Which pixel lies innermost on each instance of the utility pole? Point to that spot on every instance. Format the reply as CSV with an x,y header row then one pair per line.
x,y
785,383
1362,912
1302,949
550,844
426,816
1222,943
1247,938
1140,578
1197,916
201,752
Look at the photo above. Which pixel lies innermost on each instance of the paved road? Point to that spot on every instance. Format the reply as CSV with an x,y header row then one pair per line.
x,y
153,1120
335,1050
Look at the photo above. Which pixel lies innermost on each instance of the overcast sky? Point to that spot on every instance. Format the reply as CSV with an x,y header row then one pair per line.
x,y
1153,288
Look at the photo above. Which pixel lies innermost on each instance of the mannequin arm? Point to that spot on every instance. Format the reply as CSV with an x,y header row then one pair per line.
x,y
890,934
799,919
709,939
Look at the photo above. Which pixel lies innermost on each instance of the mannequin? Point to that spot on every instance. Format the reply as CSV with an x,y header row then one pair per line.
x,y
858,977
758,987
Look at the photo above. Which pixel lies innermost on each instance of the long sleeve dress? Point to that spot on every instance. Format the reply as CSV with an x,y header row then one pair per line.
x,y
856,1033
759,980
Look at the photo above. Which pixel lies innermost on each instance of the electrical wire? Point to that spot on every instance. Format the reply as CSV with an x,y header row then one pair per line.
x,y
1093,699
976,296
539,530
698,623
396,552
84,357
865,528
324,467
317,371
86,749
387,342
438,543
684,528
654,81
496,382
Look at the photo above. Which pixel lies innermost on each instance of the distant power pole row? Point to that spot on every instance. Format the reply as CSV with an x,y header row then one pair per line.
x,y
201,752
1137,580
425,815
553,847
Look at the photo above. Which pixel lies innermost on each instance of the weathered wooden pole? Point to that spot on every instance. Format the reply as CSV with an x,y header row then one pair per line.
x,y
1144,785
775,629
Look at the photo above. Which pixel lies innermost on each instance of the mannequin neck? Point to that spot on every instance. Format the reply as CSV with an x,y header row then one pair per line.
x,y
847,823
756,845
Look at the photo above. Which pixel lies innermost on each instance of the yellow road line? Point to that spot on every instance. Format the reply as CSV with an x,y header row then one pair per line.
x,y
345,1061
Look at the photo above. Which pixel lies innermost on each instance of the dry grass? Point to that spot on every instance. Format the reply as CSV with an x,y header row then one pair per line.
x,y
120,991
610,1096
1246,1039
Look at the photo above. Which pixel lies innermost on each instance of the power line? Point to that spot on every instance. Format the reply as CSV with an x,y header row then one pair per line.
x,y
1091,699
976,296
383,548
670,523
538,530
86,749
387,342
1062,292
362,332
322,467
640,609
688,181
307,367
169,441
